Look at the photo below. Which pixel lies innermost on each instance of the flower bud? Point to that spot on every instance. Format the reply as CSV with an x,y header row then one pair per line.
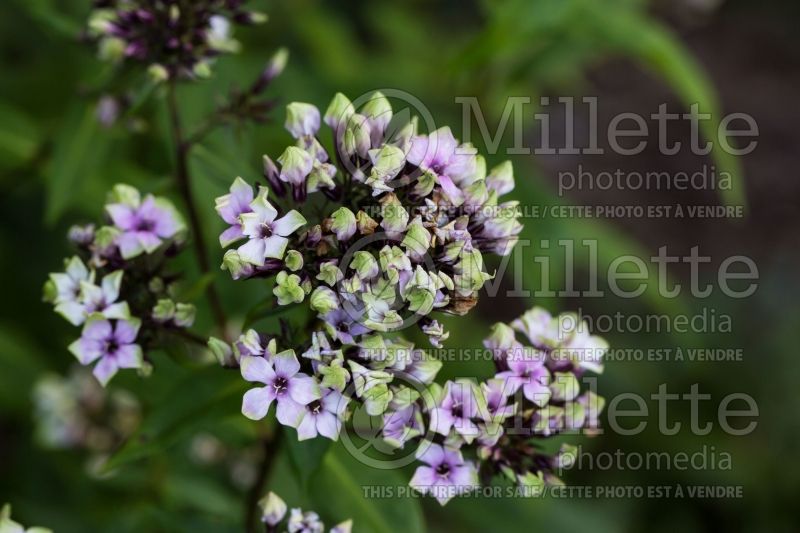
x,y
273,509
366,224
501,178
124,194
164,311
293,260
329,273
157,73
395,217
339,112
287,289
343,224
379,112
302,119
356,136
365,265
222,351
237,267
296,164
323,300
185,315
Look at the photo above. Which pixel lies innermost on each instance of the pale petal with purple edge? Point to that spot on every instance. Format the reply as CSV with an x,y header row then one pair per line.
x,y
465,477
129,356
256,402
256,368
265,211
335,402
304,389
149,241
441,145
231,205
288,224
290,413
105,369
118,311
275,246
286,364
252,252
110,286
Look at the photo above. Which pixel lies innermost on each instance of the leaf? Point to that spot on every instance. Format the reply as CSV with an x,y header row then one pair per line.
x,y
338,491
20,364
196,289
201,397
19,137
52,16
306,456
80,150
265,309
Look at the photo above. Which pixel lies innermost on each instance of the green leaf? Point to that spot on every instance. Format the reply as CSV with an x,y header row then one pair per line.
x,y
306,456
339,492
20,364
200,398
80,150
19,137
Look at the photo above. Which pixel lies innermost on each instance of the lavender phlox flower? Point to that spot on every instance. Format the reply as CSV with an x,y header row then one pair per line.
x,y
111,344
526,370
267,234
323,416
460,406
446,474
284,383
144,224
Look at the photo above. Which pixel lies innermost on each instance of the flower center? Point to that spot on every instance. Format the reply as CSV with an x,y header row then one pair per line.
x,y
145,225
265,231
315,407
280,384
458,410
111,347
443,469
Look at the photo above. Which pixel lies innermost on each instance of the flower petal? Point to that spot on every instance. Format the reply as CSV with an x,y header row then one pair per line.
x,y
105,370
307,429
86,350
256,368
129,356
329,425
275,246
252,252
288,224
304,389
286,363
256,402
290,413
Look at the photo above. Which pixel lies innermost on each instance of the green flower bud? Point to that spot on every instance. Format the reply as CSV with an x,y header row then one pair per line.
x,y
164,310
302,119
394,215
417,239
376,400
334,375
234,264
49,291
329,273
378,110
501,178
293,260
387,162
201,70
343,224
534,483
323,300
287,288
157,73
185,315
273,509
366,224
357,136
339,111
365,265
222,352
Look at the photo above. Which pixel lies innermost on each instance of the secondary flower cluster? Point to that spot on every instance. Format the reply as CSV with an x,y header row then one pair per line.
x,y
415,214
118,287
174,38
274,511
535,393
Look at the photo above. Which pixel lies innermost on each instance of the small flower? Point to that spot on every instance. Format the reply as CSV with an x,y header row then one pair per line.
x,y
527,370
458,409
296,165
323,416
103,299
308,522
446,475
496,394
112,345
230,206
143,225
273,509
284,383
402,425
64,290
267,236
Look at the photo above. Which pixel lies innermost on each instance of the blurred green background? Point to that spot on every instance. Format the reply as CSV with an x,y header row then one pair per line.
x,y
57,162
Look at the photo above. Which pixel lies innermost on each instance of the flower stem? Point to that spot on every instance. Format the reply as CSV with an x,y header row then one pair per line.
x,y
271,444
183,180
